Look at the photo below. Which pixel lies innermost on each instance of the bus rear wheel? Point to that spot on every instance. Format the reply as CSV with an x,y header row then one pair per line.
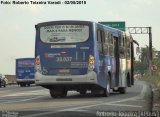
x,y
83,92
58,93
28,85
122,90
53,95
22,84
128,80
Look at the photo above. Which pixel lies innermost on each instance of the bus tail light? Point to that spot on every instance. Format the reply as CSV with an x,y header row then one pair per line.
x,y
38,64
91,63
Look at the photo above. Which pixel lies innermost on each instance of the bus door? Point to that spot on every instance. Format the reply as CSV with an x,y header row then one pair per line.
x,y
132,62
101,72
116,54
122,59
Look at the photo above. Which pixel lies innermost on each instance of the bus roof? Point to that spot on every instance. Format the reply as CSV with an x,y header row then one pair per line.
x,y
63,21
74,21
115,31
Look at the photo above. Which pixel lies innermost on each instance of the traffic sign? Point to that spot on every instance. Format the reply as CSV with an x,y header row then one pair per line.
x,y
118,25
154,68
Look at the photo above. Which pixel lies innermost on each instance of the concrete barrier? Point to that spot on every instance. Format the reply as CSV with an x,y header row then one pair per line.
x,y
11,79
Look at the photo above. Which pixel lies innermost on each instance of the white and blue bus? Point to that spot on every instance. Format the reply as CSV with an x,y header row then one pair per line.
x,y
25,70
82,56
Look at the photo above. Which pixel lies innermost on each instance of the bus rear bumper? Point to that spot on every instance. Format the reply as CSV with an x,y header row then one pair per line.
x,y
90,78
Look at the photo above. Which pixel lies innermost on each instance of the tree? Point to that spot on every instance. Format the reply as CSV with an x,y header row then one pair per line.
x,y
139,67
143,64
144,56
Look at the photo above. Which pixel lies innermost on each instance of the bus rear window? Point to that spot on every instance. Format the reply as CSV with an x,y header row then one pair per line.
x,y
64,33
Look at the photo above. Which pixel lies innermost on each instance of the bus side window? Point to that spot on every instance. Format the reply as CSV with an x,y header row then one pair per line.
x,y
121,40
106,44
122,46
99,41
98,36
111,45
128,53
116,46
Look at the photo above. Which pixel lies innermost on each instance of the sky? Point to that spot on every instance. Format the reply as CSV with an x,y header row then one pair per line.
x,y
17,28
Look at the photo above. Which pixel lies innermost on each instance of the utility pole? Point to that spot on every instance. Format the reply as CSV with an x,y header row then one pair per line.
x,y
144,30
150,50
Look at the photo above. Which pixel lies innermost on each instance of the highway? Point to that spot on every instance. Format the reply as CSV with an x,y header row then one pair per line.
x,y
35,101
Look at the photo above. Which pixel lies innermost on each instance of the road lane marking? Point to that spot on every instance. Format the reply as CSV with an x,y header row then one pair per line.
x,y
138,97
77,108
126,105
83,107
26,93
18,96
23,100
109,103
39,114
88,106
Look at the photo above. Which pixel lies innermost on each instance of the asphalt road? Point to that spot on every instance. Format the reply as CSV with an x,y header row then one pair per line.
x,y
35,101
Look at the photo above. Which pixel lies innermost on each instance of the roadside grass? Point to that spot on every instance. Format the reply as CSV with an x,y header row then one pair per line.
x,y
154,79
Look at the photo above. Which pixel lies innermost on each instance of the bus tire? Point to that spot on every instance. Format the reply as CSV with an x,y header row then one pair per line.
x,y
28,85
52,93
64,93
122,90
60,93
21,85
115,90
83,92
128,80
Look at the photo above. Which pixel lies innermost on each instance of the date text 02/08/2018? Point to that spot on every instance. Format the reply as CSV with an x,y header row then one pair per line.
x,y
74,2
